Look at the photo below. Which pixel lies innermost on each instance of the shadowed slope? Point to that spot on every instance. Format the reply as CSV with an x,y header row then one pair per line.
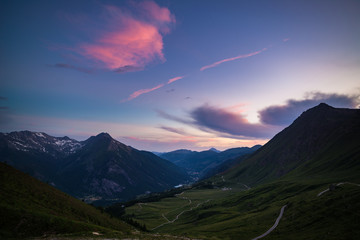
x,y
29,207
323,136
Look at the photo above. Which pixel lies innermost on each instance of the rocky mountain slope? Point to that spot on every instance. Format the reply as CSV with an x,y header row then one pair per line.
x,y
97,168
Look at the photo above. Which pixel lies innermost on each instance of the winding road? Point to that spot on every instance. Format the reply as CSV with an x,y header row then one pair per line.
x,y
177,216
275,224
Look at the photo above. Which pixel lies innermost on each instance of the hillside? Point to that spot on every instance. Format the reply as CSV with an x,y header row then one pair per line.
x,y
99,168
323,140
29,207
309,174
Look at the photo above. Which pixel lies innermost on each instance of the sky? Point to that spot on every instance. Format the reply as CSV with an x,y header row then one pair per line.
x,y
166,75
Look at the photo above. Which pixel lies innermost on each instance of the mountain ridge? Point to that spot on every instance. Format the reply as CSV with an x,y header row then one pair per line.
x,y
98,168
201,164
298,143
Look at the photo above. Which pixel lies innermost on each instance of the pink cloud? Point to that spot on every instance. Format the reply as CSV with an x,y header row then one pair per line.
x,y
160,16
286,39
171,80
142,91
232,59
130,40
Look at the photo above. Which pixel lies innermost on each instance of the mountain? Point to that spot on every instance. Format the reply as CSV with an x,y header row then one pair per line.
x,y
323,140
200,164
214,150
31,208
99,168
38,154
239,153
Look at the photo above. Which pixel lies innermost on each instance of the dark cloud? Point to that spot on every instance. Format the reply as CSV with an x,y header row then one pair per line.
x,y
283,115
128,68
68,66
3,98
4,108
170,90
220,120
174,130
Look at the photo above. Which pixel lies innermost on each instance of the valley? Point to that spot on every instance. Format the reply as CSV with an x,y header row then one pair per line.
x,y
303,184
244,201
179,120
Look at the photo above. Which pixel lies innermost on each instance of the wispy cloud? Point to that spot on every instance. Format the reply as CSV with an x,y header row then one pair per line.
x,y
126,69
142,91
174,130
171,80
127,39
68,66
232,59
285,114
172,117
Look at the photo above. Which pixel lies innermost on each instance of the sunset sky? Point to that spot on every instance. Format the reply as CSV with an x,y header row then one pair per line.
x,y
165,75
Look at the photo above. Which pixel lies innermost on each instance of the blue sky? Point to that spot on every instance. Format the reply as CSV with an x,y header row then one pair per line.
x,y
163,75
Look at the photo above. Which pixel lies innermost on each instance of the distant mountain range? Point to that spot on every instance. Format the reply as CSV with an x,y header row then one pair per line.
x,y
206,163
99,168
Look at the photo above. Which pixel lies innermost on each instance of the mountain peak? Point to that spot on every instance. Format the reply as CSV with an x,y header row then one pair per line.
x,y
214,150
104,135
324,106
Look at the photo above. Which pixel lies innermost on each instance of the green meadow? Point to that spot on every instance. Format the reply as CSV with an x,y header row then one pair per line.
x,y
244,214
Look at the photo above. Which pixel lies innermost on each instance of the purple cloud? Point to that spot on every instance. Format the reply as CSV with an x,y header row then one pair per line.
x,y
229,124
283,115
221,120
128,68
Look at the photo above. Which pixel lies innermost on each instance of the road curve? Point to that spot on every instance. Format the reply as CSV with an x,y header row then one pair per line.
x,y
274,226
177,217
338,184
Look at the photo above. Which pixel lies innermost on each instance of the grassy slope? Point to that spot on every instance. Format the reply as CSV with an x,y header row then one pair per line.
x,y
239,214
246,214
29,207
316,135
